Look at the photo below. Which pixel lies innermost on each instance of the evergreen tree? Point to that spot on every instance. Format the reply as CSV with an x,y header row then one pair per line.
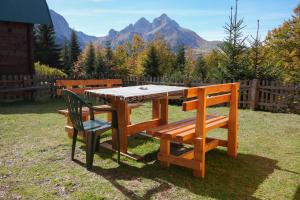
x,y
90,60
180,58
109,63
46,51
74,48
151,63
65,57
201,68
233,48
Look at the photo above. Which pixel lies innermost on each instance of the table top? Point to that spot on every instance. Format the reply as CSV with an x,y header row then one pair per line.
x,y
140,92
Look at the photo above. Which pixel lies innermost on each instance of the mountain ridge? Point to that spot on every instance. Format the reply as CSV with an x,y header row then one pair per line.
x,y
163,25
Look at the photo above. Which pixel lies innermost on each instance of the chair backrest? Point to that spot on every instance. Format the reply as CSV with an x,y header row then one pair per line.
x,y
74,105
205,96
79,86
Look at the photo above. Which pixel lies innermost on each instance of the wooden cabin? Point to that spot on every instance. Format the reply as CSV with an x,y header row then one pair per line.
x,y
17,18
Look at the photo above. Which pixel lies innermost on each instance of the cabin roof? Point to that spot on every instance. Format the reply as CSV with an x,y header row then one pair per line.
x,y
25,11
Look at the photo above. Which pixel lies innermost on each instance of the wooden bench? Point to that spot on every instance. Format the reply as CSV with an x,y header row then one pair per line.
x,y
79,87
193,131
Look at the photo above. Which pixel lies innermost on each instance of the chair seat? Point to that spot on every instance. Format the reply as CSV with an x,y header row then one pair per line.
x,y
85,110
184,130
96,125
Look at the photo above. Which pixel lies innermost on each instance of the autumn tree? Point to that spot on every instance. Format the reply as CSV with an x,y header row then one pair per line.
x,y
201,69
214,61
283,46
100,66
189,67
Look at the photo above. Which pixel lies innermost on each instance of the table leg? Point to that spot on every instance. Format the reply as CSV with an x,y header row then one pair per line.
x,y
155,108
164,110
123,113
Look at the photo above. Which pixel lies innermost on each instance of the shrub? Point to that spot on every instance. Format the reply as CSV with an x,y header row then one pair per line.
x,y
46,70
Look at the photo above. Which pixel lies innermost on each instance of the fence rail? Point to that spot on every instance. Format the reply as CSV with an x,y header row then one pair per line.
x,y
254,94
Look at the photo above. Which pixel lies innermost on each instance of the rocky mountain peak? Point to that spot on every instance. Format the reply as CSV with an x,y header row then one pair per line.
x,y
142,25
164,20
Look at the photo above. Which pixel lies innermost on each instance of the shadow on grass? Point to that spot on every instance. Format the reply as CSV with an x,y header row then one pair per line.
x,y
226,178
32,107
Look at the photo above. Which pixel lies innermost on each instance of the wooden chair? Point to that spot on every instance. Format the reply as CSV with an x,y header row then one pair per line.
x,y
93,128
194,130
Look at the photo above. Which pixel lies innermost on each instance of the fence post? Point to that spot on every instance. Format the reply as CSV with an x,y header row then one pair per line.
x,y
253,93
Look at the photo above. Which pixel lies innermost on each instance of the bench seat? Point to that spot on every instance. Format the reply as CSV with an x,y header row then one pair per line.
x,y
184,130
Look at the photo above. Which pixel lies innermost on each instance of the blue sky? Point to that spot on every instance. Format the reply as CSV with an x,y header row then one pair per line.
x,y
205,17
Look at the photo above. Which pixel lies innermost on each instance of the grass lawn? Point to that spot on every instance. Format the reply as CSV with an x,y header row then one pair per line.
x,y
35,160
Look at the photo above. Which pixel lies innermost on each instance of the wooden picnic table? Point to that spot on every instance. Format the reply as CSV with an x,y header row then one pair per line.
x,y
119,99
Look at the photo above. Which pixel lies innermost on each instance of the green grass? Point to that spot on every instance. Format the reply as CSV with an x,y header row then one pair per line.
x,y
35,160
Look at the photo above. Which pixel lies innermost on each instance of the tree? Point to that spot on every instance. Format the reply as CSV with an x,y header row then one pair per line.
x,y
201,68
180,58
100,67
214,61
65,57
90,60
151,63
189,67
122,60
233,48
109,62
46,51
167,62
74,47
283,47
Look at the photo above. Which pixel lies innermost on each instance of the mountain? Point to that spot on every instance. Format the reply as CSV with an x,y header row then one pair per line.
x,y
63,30
164,26
172,32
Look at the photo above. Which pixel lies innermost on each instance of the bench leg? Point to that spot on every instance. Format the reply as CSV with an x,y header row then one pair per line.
x,y
165,151
199,156
232,142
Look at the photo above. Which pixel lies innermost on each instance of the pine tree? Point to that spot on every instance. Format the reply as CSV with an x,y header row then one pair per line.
x,y
74,48
109,62
151,63
180,58
90,60
201,68
233,48
65,57
46,51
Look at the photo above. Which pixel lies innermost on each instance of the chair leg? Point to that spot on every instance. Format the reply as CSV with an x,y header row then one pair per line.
x,y
97,145
90,150
75,133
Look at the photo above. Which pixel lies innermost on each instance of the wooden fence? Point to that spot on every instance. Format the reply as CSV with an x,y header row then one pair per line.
x,y
254,94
